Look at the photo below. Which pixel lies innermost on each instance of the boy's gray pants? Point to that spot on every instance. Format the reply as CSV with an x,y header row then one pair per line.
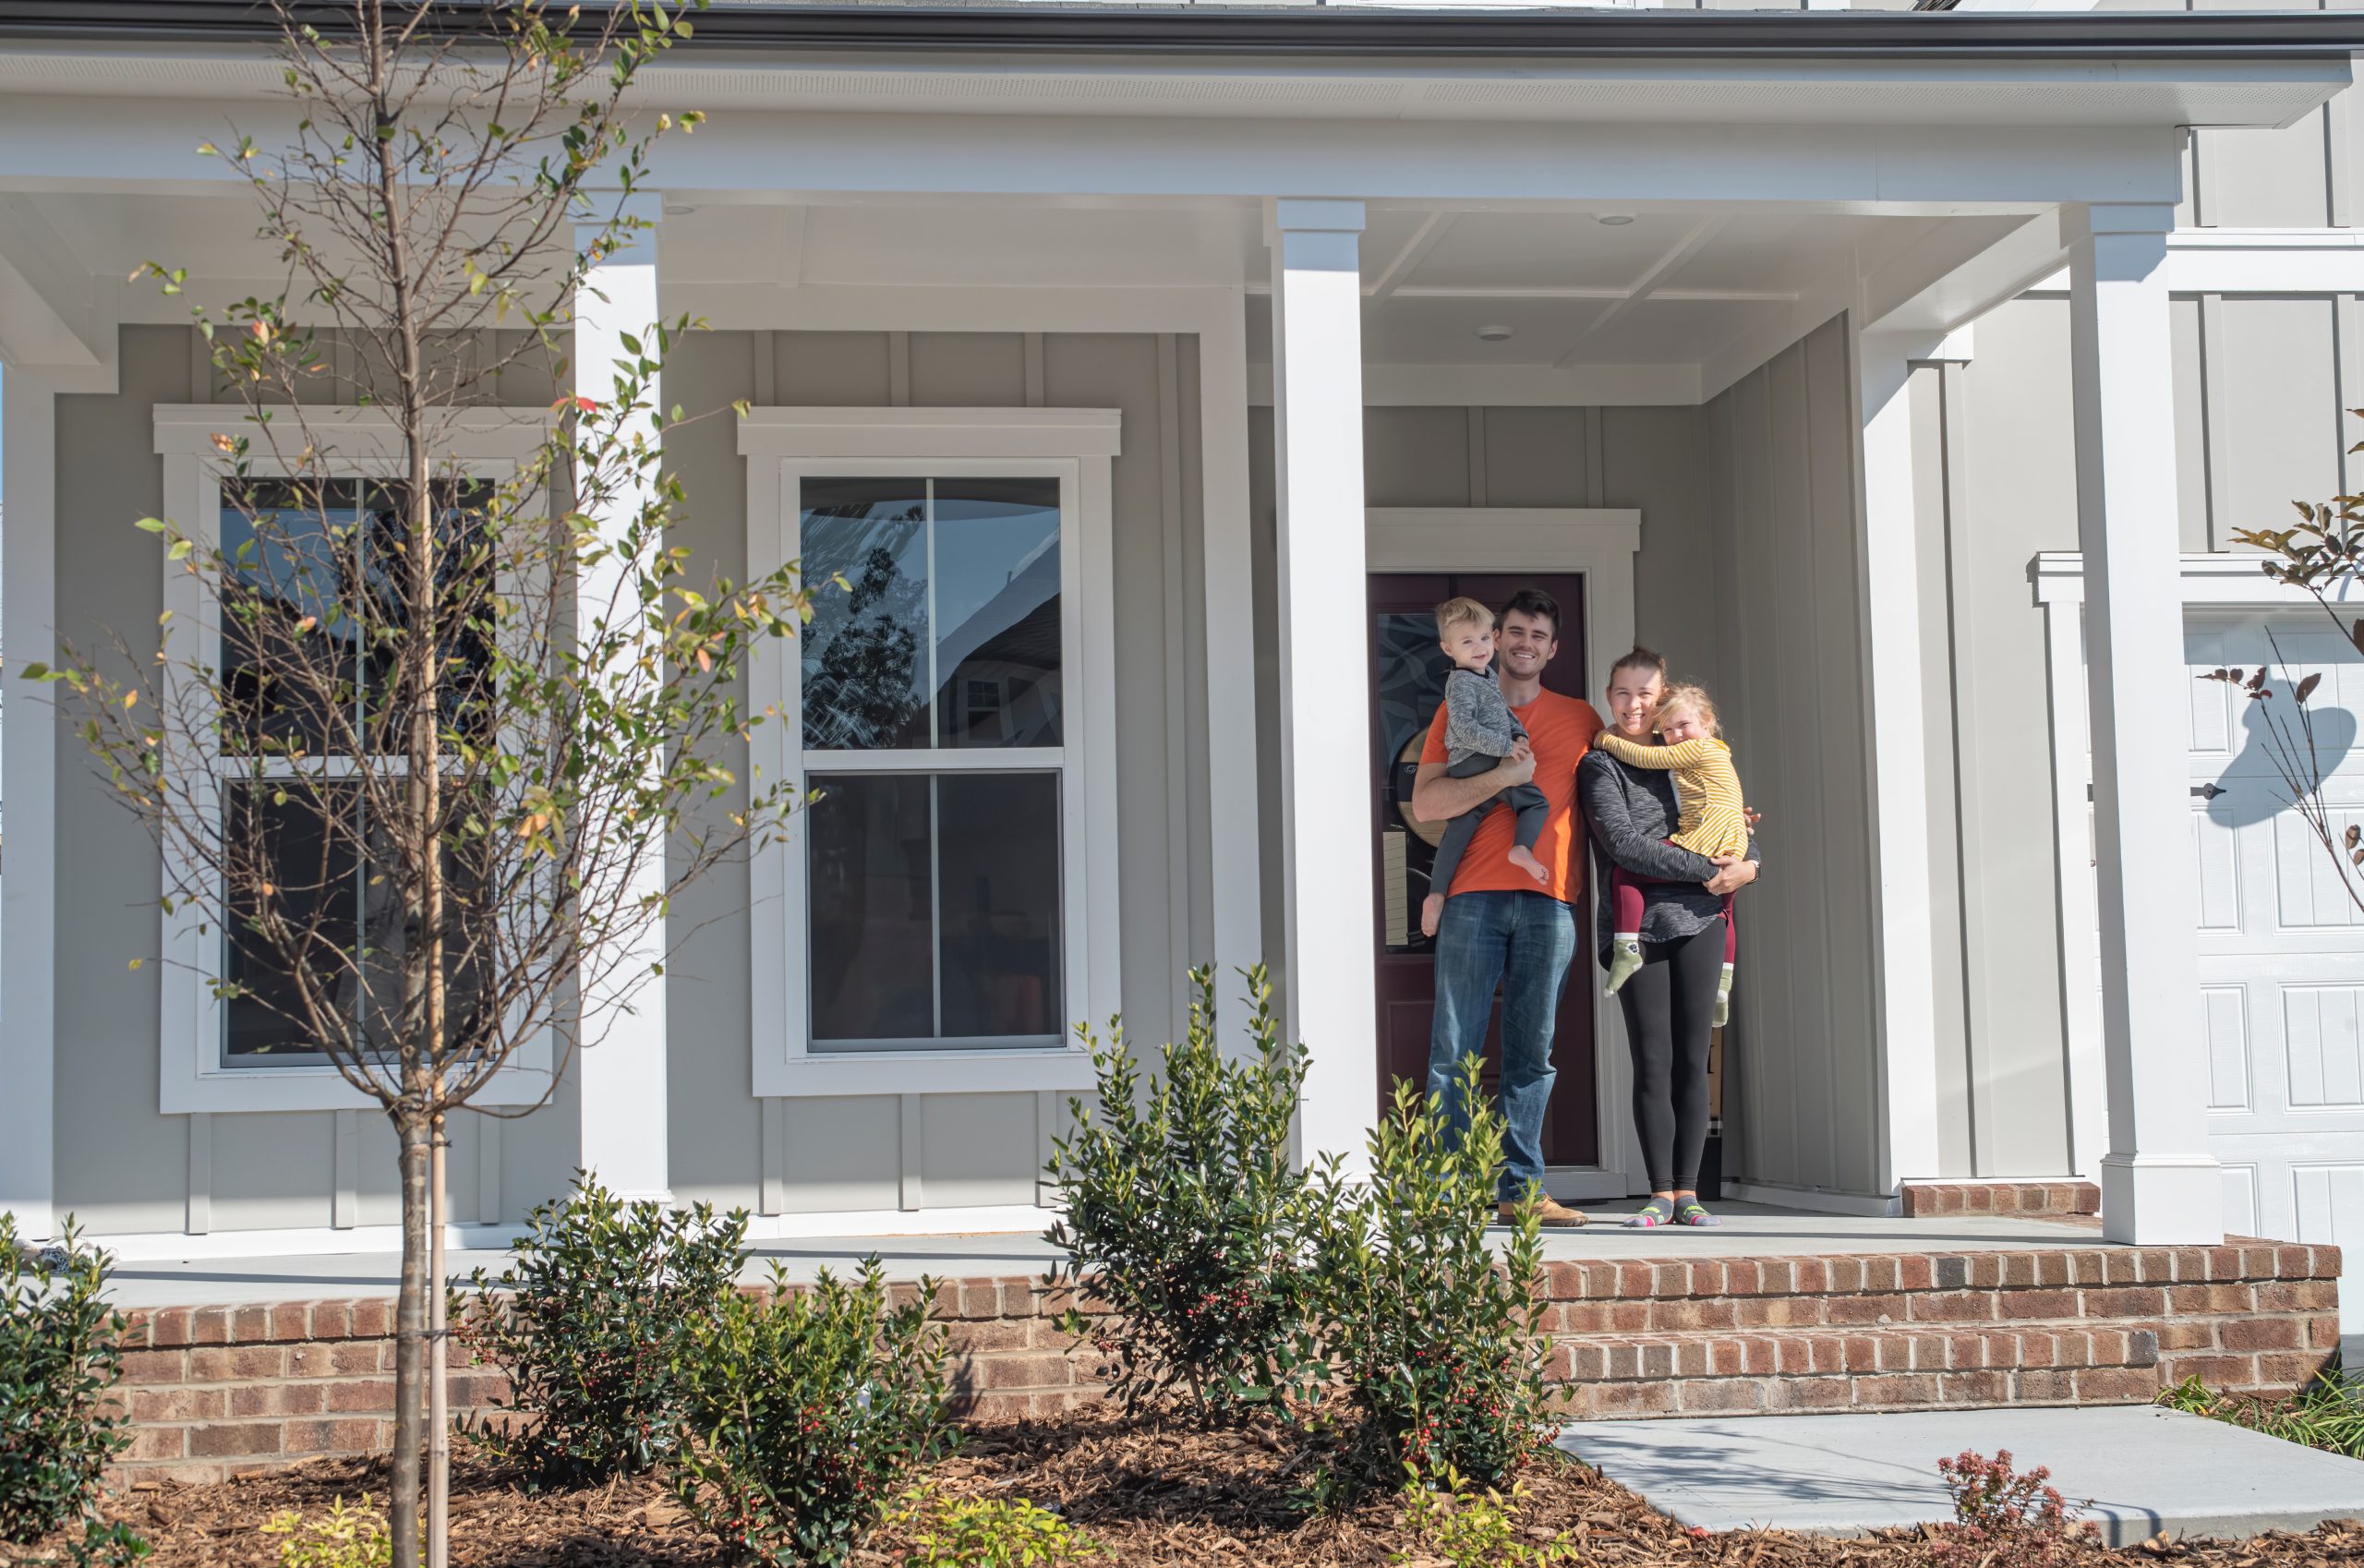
x,y
1526,800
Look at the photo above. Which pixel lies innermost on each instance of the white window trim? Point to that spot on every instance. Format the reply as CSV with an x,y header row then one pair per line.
x,y
1079,447
484,444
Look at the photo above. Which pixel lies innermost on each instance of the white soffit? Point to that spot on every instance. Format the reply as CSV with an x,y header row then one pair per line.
x,y
1695,90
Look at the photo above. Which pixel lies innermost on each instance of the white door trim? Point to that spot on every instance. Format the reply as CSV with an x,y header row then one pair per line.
x,y
1599,544
2210,582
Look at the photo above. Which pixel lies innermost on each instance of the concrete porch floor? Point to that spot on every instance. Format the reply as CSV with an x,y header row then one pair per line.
x,y
1750,1230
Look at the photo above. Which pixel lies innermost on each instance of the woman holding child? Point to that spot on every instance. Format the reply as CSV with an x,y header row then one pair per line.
x,y
1670,847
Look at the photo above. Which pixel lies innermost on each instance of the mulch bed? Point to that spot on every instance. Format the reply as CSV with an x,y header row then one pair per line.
x,y
1153,1495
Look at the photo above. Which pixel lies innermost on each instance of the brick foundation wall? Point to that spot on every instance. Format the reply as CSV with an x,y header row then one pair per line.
x,y
2050,1326
2057,1198
219,1390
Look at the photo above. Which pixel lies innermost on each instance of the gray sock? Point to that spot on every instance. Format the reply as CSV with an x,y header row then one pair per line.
x,y
1655,1213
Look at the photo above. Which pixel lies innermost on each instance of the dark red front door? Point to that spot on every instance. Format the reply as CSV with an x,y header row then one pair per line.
x,y
1408,684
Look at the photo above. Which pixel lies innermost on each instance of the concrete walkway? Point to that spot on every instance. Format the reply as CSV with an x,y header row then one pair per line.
x,y
2145,1469
1750,1230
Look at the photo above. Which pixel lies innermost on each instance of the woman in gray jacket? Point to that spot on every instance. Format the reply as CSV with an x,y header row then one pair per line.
x,y
1669,1003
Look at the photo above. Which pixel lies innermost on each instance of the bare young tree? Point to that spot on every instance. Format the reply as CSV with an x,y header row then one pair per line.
x,y
439,747
2324,558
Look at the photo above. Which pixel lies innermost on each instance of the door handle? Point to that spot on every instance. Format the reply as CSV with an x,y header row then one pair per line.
x,y
2207,791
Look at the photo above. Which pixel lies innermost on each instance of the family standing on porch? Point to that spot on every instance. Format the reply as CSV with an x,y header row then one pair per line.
x,y
1500,906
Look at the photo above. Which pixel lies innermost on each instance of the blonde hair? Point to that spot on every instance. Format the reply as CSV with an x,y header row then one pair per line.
x,y
1461,612
1685,697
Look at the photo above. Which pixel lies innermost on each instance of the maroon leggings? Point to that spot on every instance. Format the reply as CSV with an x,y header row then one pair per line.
x,y
1625,901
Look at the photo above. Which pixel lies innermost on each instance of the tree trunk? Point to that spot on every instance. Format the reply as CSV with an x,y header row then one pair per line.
x,y
410,1329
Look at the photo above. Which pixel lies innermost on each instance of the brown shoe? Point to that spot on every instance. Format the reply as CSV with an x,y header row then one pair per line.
x,y
1549,1212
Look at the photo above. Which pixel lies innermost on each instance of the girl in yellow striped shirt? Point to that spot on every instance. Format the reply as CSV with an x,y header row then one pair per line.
x,y
1713,820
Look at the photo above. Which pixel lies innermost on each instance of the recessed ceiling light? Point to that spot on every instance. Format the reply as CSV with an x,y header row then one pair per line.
x,y
1614,220
1495,334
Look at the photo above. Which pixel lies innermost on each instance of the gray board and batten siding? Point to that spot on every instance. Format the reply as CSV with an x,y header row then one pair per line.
x,y
123,1168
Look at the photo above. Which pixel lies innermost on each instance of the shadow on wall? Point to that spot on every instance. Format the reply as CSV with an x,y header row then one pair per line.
x,y
2250,789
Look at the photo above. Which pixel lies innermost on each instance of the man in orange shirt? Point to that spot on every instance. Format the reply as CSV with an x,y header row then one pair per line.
x,y
1500,928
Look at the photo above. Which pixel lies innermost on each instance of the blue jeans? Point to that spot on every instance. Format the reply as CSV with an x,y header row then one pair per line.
x,y
1524,942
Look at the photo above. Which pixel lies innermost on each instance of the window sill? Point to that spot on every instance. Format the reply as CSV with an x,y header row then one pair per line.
x,y
925,1073
229,1091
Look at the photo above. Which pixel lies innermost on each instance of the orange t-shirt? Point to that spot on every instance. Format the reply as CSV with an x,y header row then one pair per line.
x,y
1561,731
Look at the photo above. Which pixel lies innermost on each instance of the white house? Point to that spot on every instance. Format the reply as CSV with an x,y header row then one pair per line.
x,y
1901,374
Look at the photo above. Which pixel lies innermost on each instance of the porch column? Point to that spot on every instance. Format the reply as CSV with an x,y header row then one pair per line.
x,y
29,784
1896,673
620,1069
1325,687
2159,1182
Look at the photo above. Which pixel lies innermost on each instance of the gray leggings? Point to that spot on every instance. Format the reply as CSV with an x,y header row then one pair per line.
x,y
1525,798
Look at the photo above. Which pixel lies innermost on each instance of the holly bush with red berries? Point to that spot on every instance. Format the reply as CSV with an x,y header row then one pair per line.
x,y
585,1319
809,1412
1432,1332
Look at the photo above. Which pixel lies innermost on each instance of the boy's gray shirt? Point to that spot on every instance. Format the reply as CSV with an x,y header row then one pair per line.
x,y
1478,722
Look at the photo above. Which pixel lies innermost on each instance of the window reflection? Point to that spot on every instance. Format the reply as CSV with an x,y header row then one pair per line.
x,y
865,655
997,611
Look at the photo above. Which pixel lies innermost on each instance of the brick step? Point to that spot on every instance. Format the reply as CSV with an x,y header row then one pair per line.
x,y
1856,1352
2063,1199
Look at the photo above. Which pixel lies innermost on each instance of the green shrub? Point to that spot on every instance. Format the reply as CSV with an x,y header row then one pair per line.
x,y
808,1411
108,1546
2327,1413
343,1538
1185,1213
992,1532
60,1355
1474,1529
1432,1333
583,1320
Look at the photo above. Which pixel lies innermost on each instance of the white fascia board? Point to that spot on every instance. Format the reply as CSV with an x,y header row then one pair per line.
x,y
1947,87
1943,169
1896,160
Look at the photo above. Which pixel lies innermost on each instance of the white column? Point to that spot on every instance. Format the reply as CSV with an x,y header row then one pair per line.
x,y
620,1068
1325,688
1894,676
28,786
2159,1182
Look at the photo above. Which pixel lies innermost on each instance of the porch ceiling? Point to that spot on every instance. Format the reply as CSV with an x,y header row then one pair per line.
x,y
1674,300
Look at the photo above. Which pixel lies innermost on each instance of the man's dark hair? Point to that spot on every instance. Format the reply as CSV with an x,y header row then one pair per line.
x,y
1535,605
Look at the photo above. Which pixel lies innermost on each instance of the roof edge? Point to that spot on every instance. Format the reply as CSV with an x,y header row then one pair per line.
x,y
1055,28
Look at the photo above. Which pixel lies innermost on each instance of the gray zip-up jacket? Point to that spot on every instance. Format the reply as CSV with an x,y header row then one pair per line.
x,y
1478,722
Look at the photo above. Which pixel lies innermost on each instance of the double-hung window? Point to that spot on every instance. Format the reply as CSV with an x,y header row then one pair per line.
x,y
937,916
292,549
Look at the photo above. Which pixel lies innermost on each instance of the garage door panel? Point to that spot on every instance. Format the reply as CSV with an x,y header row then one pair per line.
x,y
2215,856
2212,712
2240,1199
2224,1013
2323,1067
2311,894
2327,1199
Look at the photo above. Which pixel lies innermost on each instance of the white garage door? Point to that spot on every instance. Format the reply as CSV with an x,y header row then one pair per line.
x,y
2281,941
